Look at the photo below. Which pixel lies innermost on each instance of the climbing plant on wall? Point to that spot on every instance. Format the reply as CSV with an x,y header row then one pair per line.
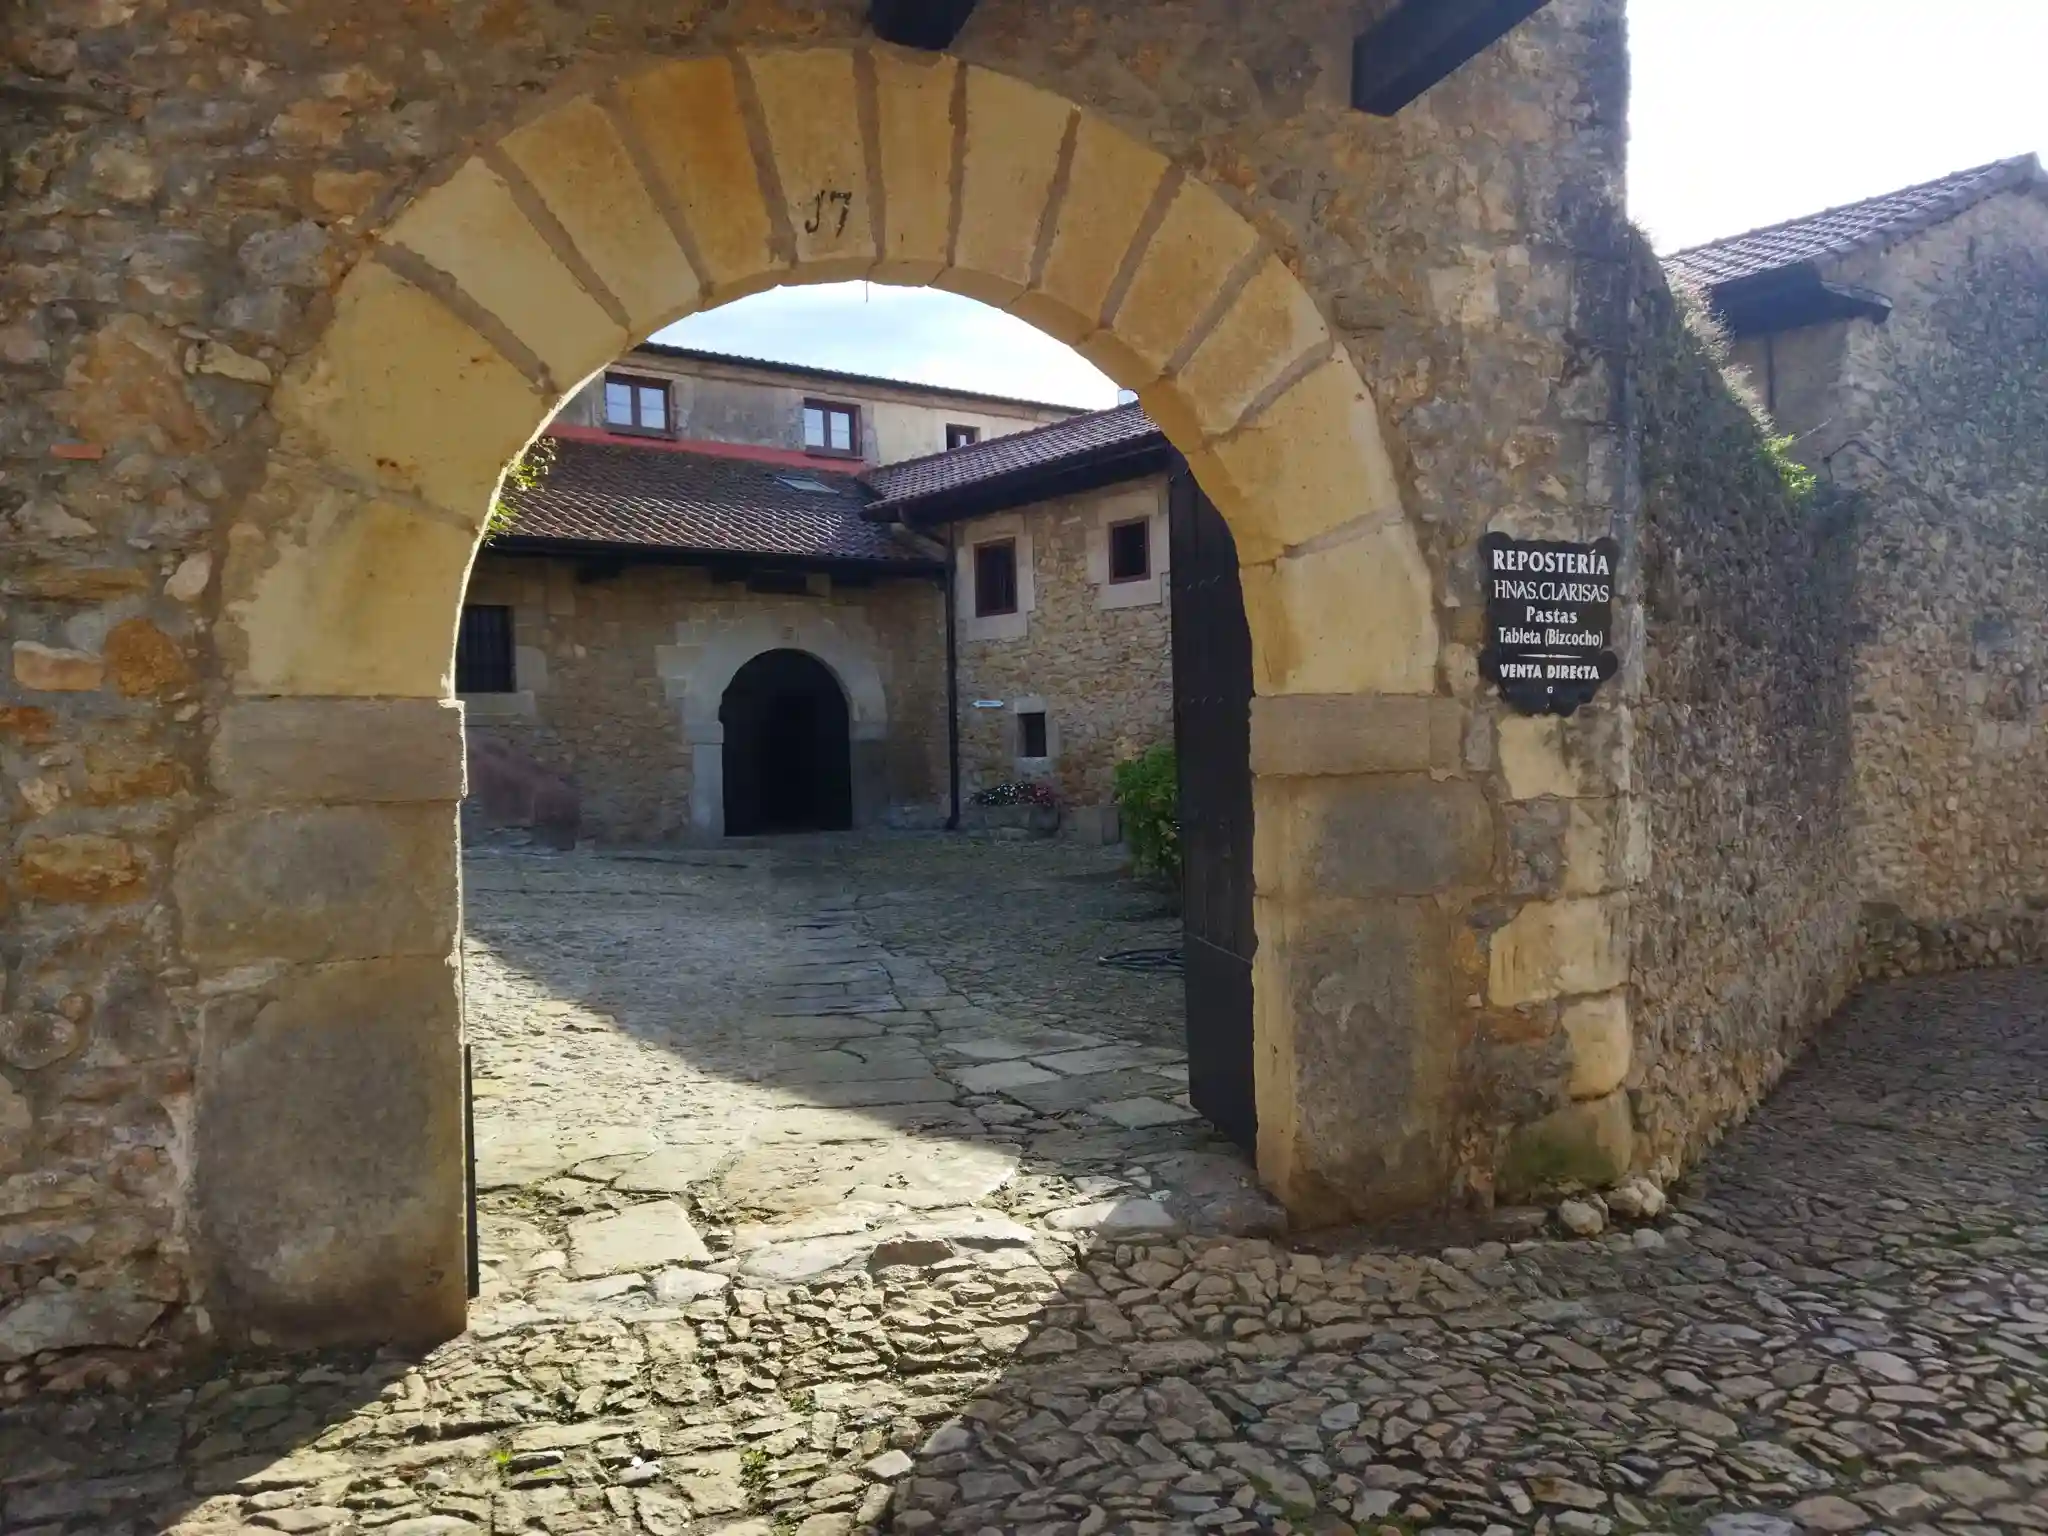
x,y
524,473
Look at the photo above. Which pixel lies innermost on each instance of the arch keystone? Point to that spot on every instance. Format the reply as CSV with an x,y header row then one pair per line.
x,y
810,102
1356,618
584,172
687,120
1309,463
1010,161
914,111
401,393
471,228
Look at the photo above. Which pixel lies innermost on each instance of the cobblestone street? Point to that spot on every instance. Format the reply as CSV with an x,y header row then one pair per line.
x,y
834,1185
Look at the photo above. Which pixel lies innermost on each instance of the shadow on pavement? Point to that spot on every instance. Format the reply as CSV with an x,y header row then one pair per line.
x,y
1845,1326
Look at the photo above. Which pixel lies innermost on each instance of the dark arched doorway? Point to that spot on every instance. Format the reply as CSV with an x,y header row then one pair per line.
x,y
788,747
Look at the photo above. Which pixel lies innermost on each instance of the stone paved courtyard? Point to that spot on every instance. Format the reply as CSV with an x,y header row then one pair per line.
x,y
834,1185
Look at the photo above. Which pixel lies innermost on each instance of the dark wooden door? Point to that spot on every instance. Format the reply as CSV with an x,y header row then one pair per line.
x,y
1212,694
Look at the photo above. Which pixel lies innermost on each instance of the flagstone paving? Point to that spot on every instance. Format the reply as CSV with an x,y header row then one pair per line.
x,y
832,1187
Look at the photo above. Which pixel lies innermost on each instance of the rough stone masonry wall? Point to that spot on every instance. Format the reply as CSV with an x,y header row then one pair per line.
x,y
1744,929
606,672
224,630
1946,439
1103,675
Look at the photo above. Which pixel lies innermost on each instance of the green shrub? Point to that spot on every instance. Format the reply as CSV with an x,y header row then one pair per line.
x,y
1148,801
524,473
1798,480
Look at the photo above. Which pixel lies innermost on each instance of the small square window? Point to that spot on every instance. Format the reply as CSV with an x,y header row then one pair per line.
x,y
831,428
1031,733
1130,550
958,436
635,405
995,578
483,649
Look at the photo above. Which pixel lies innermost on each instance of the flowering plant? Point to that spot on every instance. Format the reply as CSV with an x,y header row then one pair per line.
x,y
1018,792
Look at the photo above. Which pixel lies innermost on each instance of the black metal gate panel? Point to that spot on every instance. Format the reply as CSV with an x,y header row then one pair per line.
x,y
1212,694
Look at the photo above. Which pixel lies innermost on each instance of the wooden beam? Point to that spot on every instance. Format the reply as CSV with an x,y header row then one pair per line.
x,y
928,24
1420,42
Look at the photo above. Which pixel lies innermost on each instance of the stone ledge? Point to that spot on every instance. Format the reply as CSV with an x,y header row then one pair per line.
x,y
1371,836
328,1156
1341,734
319,883
349,751
1892,944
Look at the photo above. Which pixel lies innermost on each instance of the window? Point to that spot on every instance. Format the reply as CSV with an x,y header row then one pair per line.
x,y
995,578
958,436
1031,733
831,428
635,405
1130,550
483,649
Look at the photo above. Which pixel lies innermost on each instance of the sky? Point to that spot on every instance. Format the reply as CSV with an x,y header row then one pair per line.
x,y
1742,113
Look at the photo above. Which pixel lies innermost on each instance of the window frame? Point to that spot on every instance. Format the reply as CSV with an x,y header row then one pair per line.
x,y
829,409
960,434
637,382
468,663
1009,543
1024,752
1144,527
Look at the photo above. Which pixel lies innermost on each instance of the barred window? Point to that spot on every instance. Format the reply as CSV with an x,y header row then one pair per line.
x,y
1130,550
995,578
483,649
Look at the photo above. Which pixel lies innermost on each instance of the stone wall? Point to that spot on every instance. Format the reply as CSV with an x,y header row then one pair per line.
x,y
617,678
1946,440
1095,656
1745,925
282,288
1936,418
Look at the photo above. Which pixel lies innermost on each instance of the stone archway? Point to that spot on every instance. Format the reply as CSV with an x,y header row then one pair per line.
x,y
535,262
703,686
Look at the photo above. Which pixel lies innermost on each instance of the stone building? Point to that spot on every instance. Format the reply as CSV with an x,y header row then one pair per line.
x,y
1059,546
705,509
702,643
284,292
1901,342
604,631
681,394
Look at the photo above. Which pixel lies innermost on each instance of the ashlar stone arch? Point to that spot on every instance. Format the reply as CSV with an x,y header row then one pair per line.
x,y
531,265
697,680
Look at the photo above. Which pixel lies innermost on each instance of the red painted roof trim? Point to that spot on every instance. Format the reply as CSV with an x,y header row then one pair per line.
x,y
793,457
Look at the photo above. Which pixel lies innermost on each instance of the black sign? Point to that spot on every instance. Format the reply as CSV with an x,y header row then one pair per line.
x,y
1549,621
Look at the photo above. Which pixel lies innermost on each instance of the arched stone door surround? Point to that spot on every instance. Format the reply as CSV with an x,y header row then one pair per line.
x,y
529,267
703,683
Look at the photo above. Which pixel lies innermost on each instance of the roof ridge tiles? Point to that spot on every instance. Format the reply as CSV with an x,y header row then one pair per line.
x,y
1849,227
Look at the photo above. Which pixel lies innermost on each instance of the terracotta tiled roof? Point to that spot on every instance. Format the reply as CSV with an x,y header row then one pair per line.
x,y
1851,227
1014,454
622,494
